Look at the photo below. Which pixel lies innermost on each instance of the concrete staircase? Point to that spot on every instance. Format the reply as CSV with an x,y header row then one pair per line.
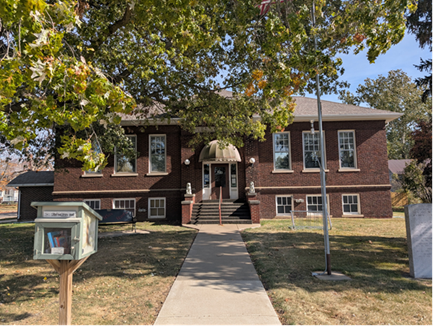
x,y
232,212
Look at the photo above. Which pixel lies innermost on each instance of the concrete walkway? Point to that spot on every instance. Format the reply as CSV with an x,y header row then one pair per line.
x,y
217,284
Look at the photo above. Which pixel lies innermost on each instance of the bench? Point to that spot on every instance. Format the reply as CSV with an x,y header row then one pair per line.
x,y
117,216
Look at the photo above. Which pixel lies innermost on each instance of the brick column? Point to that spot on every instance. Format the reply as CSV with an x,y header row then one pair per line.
x,y
187,206
254,205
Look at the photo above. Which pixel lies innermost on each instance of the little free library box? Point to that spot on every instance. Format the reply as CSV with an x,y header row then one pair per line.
x,y
65,230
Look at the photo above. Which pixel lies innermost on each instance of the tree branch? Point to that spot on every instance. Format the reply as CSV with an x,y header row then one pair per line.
x,y
113,27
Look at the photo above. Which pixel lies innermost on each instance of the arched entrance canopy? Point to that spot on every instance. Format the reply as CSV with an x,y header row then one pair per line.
x,y
213,153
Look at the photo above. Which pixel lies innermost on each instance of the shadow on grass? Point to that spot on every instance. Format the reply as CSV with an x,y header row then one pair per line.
x,y
287,259
160,252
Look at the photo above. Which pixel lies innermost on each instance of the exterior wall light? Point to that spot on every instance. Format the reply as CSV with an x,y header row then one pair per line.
x,y
252,160
312,127
187,162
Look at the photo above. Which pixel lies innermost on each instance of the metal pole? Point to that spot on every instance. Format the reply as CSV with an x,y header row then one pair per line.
x,y
322,158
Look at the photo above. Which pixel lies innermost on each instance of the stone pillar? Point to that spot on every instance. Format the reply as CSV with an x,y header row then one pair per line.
x,y
254,205
187,206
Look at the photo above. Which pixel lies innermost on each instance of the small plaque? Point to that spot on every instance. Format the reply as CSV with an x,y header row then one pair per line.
x,y
57,251
64,214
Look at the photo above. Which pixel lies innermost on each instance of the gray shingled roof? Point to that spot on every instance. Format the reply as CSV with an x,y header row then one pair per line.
x,y
397,166
306,110
33,178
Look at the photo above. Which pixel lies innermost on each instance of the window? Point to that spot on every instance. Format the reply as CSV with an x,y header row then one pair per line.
x,y
157,153
233,183
127,204
282,159
346,147
156,207
284,205
124,164
351,204
206,181
314,203
93,203
311,148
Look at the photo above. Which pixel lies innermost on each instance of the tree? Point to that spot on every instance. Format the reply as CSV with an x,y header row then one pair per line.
x,y
415,183
395,92
417,177
80,66
419,23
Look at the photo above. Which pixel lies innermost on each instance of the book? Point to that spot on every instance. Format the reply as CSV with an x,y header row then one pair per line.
x,y
50,239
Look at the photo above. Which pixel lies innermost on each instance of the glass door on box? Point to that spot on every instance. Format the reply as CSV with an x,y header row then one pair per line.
x,y
57,241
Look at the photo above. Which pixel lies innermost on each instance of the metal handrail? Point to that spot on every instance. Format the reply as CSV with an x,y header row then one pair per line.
x,y
220,202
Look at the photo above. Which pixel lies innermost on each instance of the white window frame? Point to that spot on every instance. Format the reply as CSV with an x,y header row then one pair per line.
x,y
276,204
165,207
133,199
115,158
86,201
150,153
358,204
354,150
289,151
319,195
303,149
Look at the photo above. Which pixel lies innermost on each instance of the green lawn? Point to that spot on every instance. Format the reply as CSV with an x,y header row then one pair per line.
x,y
125,282
372,252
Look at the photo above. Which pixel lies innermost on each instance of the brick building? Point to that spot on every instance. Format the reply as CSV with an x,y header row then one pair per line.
x,y
283,168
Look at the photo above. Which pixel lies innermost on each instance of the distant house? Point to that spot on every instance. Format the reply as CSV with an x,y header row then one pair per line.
x,y
284,170
32,186
396,167
8,195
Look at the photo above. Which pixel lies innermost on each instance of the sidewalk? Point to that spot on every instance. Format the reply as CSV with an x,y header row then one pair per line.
x,y
217,284
8,217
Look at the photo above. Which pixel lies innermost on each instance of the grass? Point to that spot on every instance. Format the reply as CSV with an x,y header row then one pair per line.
x,y
8,208
125,282
372,252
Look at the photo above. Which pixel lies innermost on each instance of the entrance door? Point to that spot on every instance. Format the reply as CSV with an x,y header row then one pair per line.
x,y
220,178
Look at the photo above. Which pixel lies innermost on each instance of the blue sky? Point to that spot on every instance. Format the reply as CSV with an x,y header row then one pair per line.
x,y
401,56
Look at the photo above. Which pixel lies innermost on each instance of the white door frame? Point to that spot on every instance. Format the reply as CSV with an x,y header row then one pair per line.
x,y
206,192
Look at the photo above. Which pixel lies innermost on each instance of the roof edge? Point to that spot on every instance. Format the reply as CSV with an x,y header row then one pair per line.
x,y
388,117
30,185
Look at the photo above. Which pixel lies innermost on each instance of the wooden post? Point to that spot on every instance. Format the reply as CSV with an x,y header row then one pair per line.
x,y
66,269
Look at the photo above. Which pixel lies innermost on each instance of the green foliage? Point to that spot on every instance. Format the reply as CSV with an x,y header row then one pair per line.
x,y
415,182
395,92
169,55
419,23
45,85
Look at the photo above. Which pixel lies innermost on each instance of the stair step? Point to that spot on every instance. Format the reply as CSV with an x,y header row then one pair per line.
x,y
223,222
232,212
217,210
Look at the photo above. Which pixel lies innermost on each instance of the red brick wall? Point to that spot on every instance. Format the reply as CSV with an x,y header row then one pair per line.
x,y
172,202
29,195
371,160
69,179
